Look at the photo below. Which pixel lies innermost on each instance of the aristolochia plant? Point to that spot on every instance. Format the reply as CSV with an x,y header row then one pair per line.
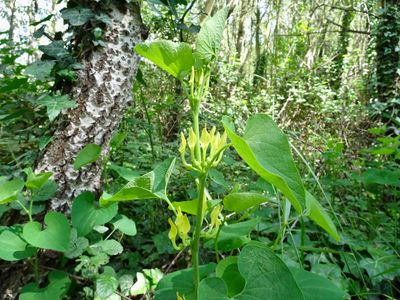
x,y
257,273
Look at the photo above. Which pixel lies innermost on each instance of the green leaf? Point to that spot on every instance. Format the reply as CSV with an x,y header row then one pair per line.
x,y
56,236
55,104
125,173
45,192
77,245
189,206
175,58
209,38
41,70
235,235
86,214
55,49
56,289
77,16
125,225
89,154
36,181
265,148
152,185
182,282
238,202
227,269
317,213
315,287
140,286
9,190
106,285
213,289
267,277
110,247
12,246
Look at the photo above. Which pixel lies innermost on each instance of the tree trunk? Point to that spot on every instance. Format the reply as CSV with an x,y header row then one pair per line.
x,y
102,93
387,57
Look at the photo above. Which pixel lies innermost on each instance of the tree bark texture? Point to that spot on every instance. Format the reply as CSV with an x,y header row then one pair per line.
x,y
102,93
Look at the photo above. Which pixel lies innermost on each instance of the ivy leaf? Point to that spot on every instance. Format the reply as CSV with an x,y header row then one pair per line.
x,y
89,154
209,38
55,49
265,148
41,70
55,104
77,16
175,58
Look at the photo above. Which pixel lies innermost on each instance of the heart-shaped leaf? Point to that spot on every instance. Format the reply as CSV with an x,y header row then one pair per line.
x,y
238,202
86,214
265,148
227,269
56,235
56,289
175,58
152,185
267,277
90,153
213,289
9,190
12,245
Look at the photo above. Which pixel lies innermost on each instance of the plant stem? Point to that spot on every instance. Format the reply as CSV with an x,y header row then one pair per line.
x,y
196,238
196,129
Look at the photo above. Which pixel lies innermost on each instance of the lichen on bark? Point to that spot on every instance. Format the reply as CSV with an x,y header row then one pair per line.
x,y
102,92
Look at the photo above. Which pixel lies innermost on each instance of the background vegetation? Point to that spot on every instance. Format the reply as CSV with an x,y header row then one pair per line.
x,y
328,72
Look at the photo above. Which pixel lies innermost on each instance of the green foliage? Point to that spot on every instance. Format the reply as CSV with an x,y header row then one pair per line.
x,y
239,202
209,39
59,283
149,186
260,144
56,235
176,59
85,215
89,154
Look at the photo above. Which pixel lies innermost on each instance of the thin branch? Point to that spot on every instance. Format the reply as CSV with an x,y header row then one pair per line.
x,y
347,29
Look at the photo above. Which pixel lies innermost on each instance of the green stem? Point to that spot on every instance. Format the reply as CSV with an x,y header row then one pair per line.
x,y
196,238
196,129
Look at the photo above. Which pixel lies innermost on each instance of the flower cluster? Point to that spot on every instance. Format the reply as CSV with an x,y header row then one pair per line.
x,y
212,146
